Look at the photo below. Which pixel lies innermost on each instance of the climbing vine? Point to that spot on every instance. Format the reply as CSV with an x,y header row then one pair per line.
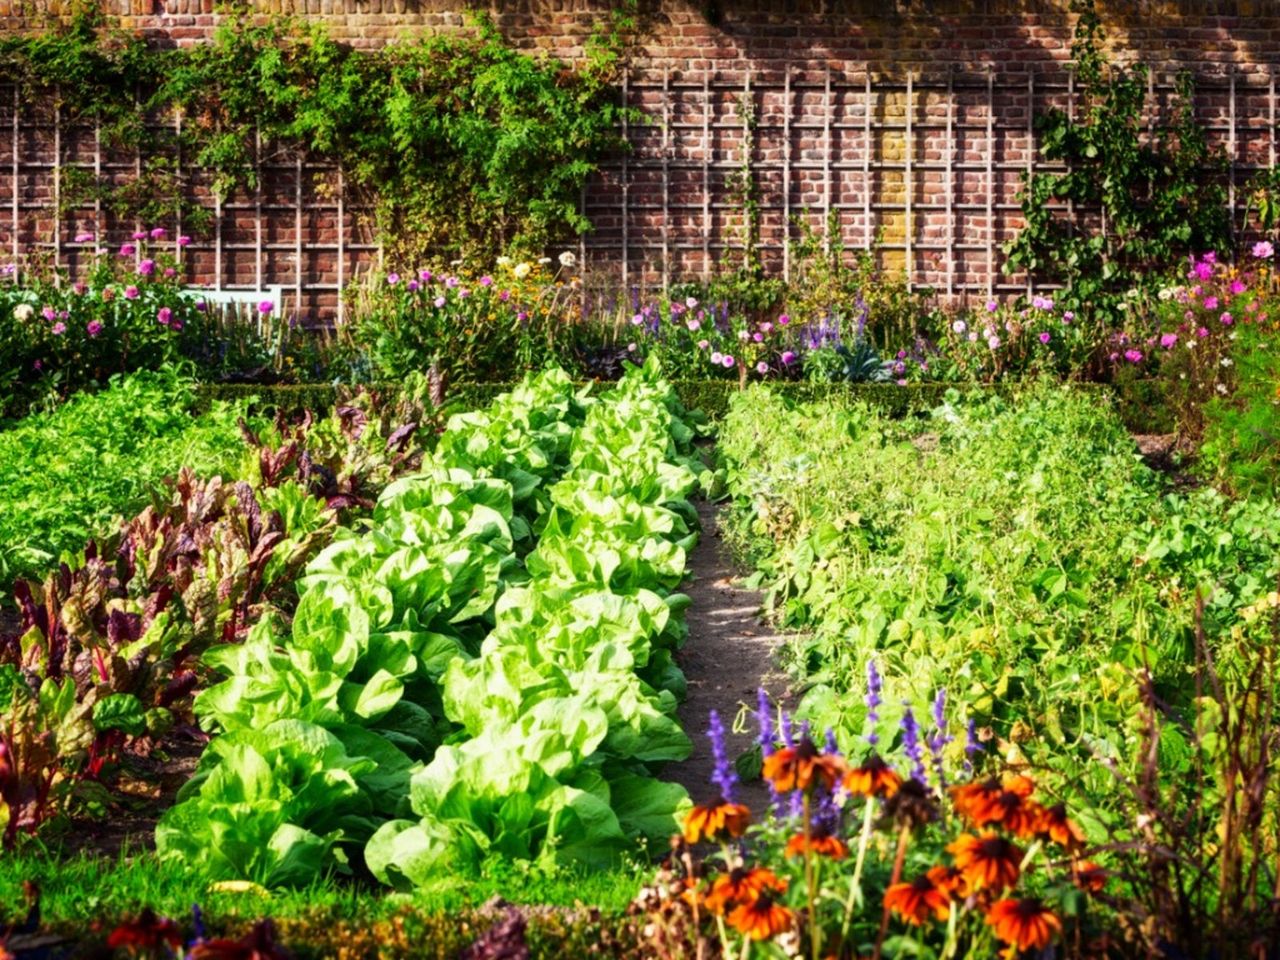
x,y
459,144
1148,199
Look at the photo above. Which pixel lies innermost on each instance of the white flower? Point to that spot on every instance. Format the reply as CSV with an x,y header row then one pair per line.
x,y
544,260
24,311
1226,361
959,326
631,348
567,259
504,261
1221,388
691,302
522,270
456,263
743,335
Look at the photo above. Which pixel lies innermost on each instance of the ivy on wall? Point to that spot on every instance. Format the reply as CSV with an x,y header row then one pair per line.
x,y
461,145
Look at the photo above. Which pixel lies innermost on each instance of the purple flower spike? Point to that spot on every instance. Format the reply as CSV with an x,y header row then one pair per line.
x,y
911,745
724,776
764,718
972,746
874,687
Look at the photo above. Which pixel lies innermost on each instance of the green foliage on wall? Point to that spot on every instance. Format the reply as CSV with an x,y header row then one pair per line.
x,y
459,143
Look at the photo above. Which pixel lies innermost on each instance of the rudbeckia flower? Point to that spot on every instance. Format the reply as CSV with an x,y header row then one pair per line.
x,y
874,778
1055,825
1088,876
742,885
988,861
1023,924
801,767
716,821
818,842
762,918
915,901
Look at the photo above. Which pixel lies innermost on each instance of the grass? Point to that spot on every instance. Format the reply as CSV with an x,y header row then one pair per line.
x,y
78,890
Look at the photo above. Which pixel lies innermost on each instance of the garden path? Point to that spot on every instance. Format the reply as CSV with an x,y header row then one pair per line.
x,y
728,656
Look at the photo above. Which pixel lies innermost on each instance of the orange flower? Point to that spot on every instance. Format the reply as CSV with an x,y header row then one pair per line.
x,y
761,919
1055,825
987,861
801,767
914,901
1088,876
1023,924
972,799
742,885
951,881
873,779
820,843
148,933
716,821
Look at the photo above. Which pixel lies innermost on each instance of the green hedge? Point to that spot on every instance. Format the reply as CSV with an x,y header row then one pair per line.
x,y
1140,403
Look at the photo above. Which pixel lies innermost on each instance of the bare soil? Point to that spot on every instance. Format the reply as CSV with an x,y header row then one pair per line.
x,y
729,655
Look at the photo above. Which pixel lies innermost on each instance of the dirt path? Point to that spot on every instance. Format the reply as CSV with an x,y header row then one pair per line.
x,y
729,654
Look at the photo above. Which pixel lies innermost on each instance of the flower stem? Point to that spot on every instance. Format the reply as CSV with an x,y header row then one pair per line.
x,y
810,879
899,858
855,885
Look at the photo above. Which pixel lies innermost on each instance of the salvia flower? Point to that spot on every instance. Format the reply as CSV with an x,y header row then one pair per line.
x,y
873,700
911,745
723,776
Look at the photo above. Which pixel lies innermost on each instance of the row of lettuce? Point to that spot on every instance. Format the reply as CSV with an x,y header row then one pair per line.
x,y
484,668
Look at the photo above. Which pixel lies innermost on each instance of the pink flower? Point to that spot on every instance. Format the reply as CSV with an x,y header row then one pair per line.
x,y
1211,303
127,250
163,316
93,328
130,293
265,307
84,238
694,324
783,320
49,313
59,328
766,327
184,240
393,279
438,301
504,295
728,361
716,357
1227,318
1133,356
788,357
992,306
78,288
412,286
1067,316
1237,286
631,348
1045,337
450,282
176,325
139,234
1202,332
691,302
1169,340
158,233
170,272
147,267
762,368
424,276
703,344
993,342
486,281
758,337
464,293
1263,250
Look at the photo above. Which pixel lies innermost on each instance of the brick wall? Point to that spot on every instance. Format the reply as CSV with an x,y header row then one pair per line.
x,y
908,121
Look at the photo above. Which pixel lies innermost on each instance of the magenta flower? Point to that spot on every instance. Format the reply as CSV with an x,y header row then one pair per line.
x,y
184,240
464,293
992,306
439,301
1169,340
762,368
1211,303
158,233
265,307
425,276
504,295
728,361
163,316
1202,332
1133,356
393,279
788,357
758,337
1045,337
170,272
412,286
1227,318
1237,286
59,328
1068,316
147,267
139,234
127,250
130,293
93,328
84,238
783,320
1263,250
450,282
49,313
486,281
202,306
